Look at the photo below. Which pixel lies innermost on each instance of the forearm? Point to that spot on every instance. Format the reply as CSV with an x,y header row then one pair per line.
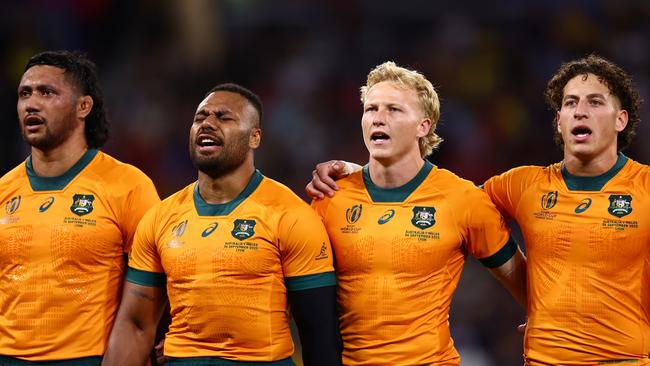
x,y
315,313
512,275
128,345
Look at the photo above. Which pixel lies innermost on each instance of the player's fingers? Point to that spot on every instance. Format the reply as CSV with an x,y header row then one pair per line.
x,y
318,185
326,173
313,193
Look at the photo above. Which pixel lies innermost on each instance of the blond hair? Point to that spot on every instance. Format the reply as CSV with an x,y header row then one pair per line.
x,y
389,71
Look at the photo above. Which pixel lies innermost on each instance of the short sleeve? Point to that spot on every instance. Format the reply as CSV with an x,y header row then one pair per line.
x,y
305,250
487,236
505,190
138,201
145,267
320,207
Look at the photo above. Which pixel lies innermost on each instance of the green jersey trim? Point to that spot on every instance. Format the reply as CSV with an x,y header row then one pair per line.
x,y
503,255
206,209
58,183
298,283
85,361
144,278
218,361
578,183
398,194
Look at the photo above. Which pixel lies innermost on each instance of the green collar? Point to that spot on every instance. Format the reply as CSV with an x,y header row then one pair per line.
x,y
58,183
398,194
206,209
579,183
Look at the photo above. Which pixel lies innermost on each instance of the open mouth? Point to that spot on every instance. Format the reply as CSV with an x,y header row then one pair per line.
x,y
33,120
581,131
208,141
379,137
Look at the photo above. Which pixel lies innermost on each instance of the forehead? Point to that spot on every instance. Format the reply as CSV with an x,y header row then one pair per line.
x,y
584,85
224,99
44,74
391,92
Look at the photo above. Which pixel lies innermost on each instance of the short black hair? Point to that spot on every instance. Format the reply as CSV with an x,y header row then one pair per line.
x,y
615,78
252,98
83,73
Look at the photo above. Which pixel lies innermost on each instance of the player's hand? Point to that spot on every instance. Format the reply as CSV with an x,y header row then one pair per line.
x,y
323,181
160,358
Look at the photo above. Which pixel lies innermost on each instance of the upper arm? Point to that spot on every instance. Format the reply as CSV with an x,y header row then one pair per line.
x,y
505,190
138,201
486,234
142,305
305,250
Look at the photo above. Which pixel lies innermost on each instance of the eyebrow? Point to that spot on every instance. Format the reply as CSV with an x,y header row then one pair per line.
x,y
589,96
37,87
218,112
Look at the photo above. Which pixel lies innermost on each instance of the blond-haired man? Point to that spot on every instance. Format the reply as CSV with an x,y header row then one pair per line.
x,y
401,228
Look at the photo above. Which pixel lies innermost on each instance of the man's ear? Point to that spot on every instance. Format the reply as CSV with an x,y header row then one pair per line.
x,y
621,120
424,127
84,106
255,138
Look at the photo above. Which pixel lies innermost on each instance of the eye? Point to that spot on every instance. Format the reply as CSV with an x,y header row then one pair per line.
x,y
596,102
24,93
47,92
371,108
394,109
569,103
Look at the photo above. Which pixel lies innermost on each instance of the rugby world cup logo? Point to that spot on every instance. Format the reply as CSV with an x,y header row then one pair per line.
x,y
12,205
549,200
353,213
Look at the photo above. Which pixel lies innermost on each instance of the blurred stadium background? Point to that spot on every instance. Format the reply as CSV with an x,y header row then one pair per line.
x,y
306,59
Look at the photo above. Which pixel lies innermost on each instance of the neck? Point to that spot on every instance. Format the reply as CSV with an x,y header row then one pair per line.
x,y
590,167
55,162
227,187
393,175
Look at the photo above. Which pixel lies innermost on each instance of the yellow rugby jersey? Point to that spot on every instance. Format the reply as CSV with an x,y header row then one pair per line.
x,y
588,246
399,254
228,268
62,245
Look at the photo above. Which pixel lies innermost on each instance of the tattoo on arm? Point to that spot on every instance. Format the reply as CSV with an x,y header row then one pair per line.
x,y
141,294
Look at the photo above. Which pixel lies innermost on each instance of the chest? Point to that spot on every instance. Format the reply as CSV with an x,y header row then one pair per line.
x,y
77,223
233,245
587,227
415,238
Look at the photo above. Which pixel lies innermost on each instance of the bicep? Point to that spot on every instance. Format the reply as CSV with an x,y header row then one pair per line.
x,y
142,305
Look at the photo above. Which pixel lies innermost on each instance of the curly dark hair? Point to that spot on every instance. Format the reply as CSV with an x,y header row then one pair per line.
x,y
84,73
614,77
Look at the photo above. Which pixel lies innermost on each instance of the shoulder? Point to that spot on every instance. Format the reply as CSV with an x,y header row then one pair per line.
x,y
638,173
277,196
115,172
181,197
17,173
527,173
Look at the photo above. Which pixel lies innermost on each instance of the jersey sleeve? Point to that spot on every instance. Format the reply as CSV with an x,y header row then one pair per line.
x,y
506,189
320,207
486,235
305,250
145,267
138,201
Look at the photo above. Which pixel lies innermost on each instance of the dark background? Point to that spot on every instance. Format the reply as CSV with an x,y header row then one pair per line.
x,y
489,61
